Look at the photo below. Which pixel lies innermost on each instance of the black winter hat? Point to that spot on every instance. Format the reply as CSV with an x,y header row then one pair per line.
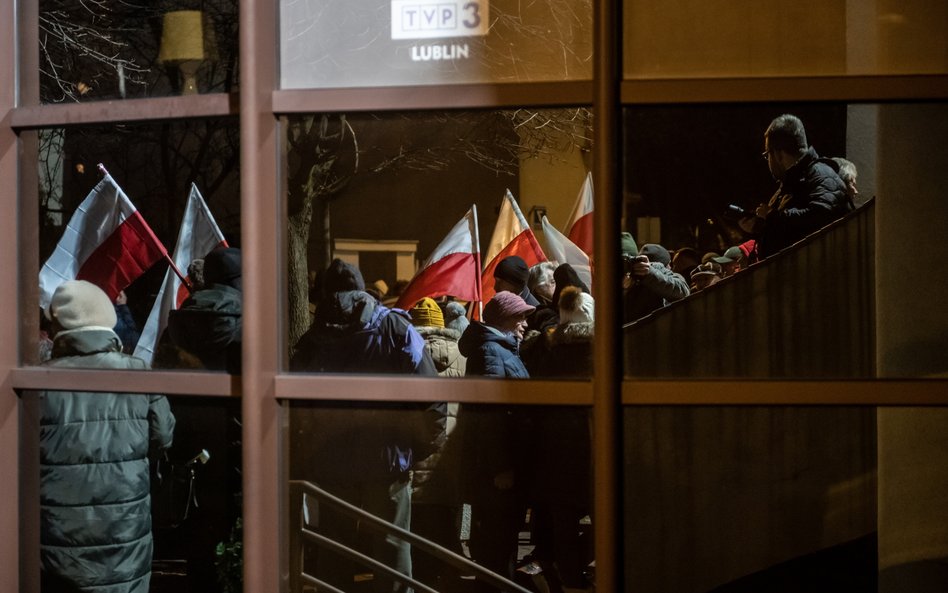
x,y
342,277
514,270
222,266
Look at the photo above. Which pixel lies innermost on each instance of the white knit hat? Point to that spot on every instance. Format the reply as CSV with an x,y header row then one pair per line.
x,y
576,306
77,303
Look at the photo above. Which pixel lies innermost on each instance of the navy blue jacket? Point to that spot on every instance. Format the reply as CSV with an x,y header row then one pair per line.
x,y
491,353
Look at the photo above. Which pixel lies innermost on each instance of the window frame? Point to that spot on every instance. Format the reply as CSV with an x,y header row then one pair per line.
x,y
265,388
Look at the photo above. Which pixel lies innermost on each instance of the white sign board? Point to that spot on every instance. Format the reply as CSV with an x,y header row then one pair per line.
x,y
429,19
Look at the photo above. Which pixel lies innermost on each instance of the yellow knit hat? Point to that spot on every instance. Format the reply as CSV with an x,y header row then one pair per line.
x,y
427,312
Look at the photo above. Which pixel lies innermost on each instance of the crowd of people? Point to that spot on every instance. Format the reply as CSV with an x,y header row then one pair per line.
x,y
395,460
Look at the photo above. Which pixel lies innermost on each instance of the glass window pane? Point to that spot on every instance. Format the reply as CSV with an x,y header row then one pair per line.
x,y
95,51
394,198
171,187
484,482
417,42
783,280
734,499
136,488
725,38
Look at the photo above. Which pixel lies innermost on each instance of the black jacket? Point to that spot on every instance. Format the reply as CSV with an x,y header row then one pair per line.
x,y
811,195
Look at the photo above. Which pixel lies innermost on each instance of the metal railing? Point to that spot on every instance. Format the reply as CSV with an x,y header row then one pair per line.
x,y
304,494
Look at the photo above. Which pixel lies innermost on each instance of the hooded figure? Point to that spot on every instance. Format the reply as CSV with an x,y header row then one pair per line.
x,y
95,502
364,454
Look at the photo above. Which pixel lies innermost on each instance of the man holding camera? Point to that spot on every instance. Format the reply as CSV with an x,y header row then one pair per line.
x,y
652,283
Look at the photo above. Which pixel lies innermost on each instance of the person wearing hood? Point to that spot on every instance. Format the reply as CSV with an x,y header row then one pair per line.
x,y
95,501
208,324
365,453
811,193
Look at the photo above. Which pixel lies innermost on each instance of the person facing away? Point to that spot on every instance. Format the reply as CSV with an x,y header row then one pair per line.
x,y
209,322
653,283
810,193
95,503
365,453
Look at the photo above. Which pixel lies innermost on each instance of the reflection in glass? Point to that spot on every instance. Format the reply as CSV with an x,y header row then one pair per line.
x,y
700,39
169,183
485,482
830,303
378,43
96,51
411,201
750,499
754,282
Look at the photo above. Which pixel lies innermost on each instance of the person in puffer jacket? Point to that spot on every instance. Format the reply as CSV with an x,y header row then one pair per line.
x,y
811,193
95,504
436,499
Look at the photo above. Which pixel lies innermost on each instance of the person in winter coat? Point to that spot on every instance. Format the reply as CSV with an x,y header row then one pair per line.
x,y
810,196
436,500
558,472
95,504
566,350
652,284
491,434
492,346
208,324
365,455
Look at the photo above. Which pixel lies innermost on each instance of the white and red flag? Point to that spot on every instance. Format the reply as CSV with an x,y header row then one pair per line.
x,y
107,242
198,236
512,236
453,268
564,251
579,228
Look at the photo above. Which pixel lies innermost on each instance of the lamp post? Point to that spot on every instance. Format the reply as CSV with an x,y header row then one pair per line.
x,y
182,43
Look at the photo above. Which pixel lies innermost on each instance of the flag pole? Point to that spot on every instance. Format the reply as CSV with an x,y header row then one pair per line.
x,y
184,279
477,256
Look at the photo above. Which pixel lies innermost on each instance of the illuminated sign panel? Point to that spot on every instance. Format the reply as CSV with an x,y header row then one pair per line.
x,y
428,19
375,43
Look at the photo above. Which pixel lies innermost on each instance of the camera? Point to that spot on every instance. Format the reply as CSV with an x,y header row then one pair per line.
x,y
735,210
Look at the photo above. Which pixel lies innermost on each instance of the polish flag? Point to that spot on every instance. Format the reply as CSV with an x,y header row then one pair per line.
x,y
198,236
512,236
579,229
564,251
107,242
452,269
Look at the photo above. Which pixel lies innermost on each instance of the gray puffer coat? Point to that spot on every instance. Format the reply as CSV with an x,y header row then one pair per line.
x,y
95,506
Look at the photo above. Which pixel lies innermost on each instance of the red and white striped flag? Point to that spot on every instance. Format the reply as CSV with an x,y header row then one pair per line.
x,y
453,268
107,242
512,236
198,236
564,251
579,229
